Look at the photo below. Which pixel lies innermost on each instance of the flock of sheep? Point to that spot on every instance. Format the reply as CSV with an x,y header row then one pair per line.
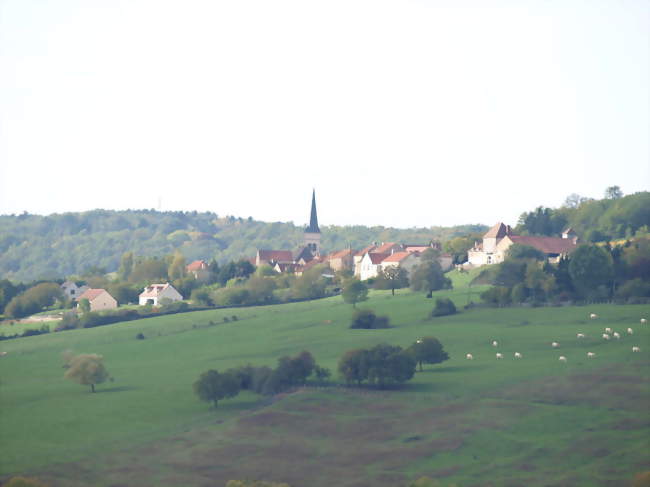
x,y
609,333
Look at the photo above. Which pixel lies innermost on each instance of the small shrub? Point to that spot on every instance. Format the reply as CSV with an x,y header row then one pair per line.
x,y
226,319
234,318
444,307
139,336
366,319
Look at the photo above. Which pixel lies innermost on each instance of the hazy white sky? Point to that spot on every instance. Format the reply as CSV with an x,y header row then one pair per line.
x,y
400,113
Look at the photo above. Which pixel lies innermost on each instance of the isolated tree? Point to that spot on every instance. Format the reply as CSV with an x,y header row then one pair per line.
x,y
613,193
428,350
591,267
212,386
354,291
393,277
86,369
428,276
444,307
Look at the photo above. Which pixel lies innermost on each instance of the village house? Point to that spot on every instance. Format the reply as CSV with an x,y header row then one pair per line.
x,y
155,293
370,265
199,269
406,260
72,291
99,299
498,239
341,260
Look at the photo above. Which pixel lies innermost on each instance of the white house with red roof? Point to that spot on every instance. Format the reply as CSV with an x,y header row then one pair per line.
x,y
370,265
99,299
406,260
155,293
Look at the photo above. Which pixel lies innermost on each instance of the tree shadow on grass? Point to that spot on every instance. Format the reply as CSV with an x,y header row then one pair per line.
x,y
115,389
439,370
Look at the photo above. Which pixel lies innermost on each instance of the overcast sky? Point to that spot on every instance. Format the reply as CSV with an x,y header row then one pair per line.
x,y
400,113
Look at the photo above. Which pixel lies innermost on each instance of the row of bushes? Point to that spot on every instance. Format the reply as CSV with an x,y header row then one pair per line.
x,y
27,333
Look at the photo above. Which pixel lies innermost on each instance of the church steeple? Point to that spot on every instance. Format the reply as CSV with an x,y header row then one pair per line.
x,y
312,232
313,220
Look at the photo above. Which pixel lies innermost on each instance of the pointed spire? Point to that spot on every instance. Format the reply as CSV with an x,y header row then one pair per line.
x,y
313,220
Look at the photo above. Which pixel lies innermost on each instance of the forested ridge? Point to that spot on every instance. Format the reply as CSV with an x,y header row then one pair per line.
x,y
59,245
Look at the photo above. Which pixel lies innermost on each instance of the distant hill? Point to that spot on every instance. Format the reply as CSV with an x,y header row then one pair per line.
x,y
58,245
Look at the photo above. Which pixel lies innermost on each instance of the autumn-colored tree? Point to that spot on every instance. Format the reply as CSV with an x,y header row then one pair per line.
x,y
86,369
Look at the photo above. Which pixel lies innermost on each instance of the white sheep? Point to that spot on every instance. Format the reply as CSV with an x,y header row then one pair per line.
x,y
591,354
2,354
555,344
636,349
495,343
499,356
469,356
593,316
562,358
630,331
518,355
606,336
608,330
616,335
643,321
580,335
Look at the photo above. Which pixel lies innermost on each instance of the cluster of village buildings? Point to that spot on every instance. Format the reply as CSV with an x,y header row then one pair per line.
x,y
366,263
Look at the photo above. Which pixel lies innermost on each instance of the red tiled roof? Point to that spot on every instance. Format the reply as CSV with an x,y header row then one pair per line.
x,y
377,258
276,255
340,254
91,294
385,247
365,250
197,265
396,257
153,290
548,245
499,230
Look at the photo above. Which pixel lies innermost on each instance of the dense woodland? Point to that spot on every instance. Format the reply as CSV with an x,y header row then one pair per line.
x,y
59,245
48,247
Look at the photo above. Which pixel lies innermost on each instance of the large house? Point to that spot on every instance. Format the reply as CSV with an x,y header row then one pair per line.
x,y
498,239
99,299
155,293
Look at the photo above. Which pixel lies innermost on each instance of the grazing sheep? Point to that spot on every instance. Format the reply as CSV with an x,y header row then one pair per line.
x,y
593,316
636,349
499,356
608,330
562,358
630,331
616,335
2,354
591,354
606,336
495,343
518,355
469,356
555,344
580,335
643,320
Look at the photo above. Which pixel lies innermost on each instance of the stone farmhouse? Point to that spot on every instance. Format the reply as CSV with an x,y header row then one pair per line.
x,y
155,293
99,299
373,259
500,237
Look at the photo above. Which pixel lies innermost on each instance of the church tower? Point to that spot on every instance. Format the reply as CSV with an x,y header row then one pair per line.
x,y
312,232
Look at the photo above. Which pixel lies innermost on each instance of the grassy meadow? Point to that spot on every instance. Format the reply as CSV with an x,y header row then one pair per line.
x,y
533,421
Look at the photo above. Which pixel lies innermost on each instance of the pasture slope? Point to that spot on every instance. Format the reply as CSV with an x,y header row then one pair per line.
x,y
534,421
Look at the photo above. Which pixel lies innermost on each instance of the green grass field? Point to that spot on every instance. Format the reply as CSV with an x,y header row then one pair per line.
x,y
533,421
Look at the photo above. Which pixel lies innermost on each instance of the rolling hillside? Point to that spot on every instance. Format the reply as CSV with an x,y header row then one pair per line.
x,y
531,422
